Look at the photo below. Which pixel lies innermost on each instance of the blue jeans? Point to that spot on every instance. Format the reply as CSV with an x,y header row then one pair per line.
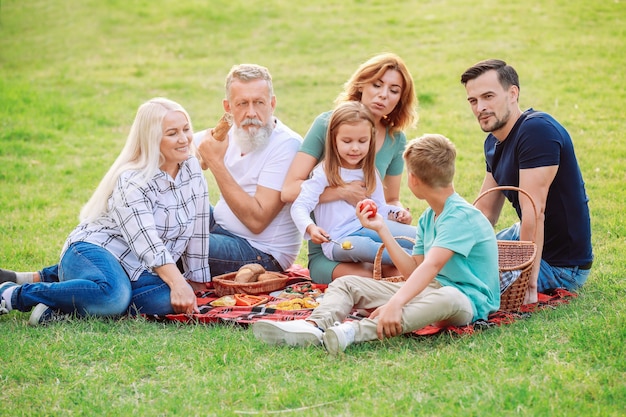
x,y
365,244
550,277
87,262
87,281
229,252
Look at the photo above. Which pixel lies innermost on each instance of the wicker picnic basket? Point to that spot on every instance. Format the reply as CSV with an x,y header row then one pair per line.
x,y
378,264
226,285
515,255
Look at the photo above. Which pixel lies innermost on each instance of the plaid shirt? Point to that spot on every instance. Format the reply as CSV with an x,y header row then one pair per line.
x,y
156,224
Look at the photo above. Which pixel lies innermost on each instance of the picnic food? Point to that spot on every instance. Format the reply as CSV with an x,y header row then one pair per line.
x,y
221,129
249,273
294,304
266,276
346,245
368,205
225,301
248,300
300,290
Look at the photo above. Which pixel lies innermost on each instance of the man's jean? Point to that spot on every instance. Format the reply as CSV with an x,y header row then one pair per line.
x,y
90,281
229,252
550,277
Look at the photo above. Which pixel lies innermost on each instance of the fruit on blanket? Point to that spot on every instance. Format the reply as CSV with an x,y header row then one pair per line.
x,y
368,205
249,273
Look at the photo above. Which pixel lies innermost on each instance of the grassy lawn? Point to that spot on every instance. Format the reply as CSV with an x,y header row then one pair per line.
x,y
72,74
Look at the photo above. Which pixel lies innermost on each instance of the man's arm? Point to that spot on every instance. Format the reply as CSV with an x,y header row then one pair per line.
x,y
255,212
536,182
491,204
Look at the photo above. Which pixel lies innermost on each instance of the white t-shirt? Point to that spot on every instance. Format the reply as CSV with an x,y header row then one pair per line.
x,y
266,167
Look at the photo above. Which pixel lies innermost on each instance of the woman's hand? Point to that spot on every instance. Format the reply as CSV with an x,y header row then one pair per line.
x,y
183,298
352,192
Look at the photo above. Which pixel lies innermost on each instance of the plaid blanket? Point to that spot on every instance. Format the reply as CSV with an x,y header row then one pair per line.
x,y
246,315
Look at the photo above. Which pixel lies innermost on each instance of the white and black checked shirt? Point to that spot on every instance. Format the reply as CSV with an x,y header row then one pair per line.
x,y
155,224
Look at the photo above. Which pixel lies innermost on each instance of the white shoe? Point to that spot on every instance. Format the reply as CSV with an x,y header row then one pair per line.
x,y
337,338
291,333
42,315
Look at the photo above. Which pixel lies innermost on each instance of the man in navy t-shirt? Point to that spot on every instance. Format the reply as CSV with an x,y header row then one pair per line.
x,y
532,151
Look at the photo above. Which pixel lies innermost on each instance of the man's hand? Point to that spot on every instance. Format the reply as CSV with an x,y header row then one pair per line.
x,y
183,298
211,151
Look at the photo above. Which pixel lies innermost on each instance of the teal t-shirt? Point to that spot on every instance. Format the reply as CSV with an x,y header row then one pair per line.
x,y
473,268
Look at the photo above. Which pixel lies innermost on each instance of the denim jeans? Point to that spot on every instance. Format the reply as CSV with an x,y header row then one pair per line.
x,y
87,281
84,261
229,252
550,277
365,244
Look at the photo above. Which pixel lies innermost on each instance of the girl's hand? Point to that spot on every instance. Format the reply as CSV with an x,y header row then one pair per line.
x,y
403,216
389,320
318,235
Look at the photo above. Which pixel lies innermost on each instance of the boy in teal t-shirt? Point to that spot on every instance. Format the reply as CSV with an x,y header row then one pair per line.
x,y
452,276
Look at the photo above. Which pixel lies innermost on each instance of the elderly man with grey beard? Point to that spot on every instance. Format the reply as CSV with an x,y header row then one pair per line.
x,y
250,223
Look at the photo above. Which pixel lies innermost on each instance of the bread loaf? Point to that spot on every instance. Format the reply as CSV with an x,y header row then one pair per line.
x,y
221,129
249,273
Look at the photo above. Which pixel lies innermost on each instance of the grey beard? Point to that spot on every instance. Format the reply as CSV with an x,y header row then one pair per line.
x,y
252,139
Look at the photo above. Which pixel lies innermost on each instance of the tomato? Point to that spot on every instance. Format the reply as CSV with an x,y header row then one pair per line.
x,y
368,205
248,300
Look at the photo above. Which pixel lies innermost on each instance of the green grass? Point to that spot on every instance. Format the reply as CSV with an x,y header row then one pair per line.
x,y
72,74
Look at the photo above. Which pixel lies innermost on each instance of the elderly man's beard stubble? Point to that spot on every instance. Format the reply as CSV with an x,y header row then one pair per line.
x,y
256,137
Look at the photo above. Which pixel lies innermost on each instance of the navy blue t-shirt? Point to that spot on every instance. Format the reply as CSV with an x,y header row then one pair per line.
x,y
538,140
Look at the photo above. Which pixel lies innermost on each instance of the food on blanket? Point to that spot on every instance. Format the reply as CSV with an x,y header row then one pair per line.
x,y
294,304
221,129
248,300
300,290
368,205
225,301
249,273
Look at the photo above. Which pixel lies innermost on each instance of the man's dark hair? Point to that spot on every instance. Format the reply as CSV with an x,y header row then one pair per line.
x,y
506,73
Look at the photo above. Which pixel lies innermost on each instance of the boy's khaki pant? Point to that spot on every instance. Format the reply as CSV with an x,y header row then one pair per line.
x,y
435,305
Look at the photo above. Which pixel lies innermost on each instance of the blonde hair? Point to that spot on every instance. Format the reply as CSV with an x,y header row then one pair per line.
x,y
141,153
349,112
431,158
404,115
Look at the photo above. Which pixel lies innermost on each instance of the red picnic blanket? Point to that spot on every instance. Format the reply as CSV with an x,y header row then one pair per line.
x,y
246,315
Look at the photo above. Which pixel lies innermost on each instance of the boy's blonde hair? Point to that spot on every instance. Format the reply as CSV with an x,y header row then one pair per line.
x,y
350,112
431,158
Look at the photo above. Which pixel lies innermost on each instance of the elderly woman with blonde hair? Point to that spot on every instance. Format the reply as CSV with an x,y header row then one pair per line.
x,y
150,211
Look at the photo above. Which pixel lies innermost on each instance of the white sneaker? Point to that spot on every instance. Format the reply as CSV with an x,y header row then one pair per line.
x,y
4,305
292,333
337,338
42,315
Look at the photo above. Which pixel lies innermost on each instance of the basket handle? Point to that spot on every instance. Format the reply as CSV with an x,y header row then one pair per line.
x,y
512,188
378,260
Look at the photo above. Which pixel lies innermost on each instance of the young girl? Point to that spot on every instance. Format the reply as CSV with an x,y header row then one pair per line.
x,y
349,156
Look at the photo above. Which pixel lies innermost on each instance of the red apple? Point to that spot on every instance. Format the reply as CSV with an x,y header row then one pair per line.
x,y
368,205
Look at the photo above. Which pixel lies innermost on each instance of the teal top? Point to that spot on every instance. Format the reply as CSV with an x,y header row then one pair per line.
x,y
473,268
388,159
